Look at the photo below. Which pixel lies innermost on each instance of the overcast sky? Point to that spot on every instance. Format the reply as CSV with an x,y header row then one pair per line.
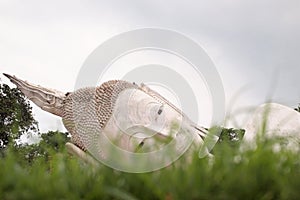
x,y
255,45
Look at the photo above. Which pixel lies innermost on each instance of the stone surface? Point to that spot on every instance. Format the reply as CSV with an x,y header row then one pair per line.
x,y
279,120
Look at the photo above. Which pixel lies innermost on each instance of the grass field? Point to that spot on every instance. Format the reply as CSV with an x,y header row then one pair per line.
x,y
267,171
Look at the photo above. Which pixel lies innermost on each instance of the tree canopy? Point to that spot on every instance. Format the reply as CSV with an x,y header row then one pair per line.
x,y
16,119
298,109
15,115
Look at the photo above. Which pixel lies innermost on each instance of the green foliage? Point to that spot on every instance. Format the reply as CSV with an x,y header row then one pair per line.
x,y
52,142
231,136
298,109
15,115
54,139
254,173
47,171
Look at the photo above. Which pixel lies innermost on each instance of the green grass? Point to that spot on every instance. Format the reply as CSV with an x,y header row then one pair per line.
x,y
251,173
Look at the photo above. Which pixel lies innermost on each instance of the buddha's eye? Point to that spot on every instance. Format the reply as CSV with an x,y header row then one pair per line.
x,y
160,109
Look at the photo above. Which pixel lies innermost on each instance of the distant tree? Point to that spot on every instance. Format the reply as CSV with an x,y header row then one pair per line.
x,y
231,135
52,141
298,109
15,116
